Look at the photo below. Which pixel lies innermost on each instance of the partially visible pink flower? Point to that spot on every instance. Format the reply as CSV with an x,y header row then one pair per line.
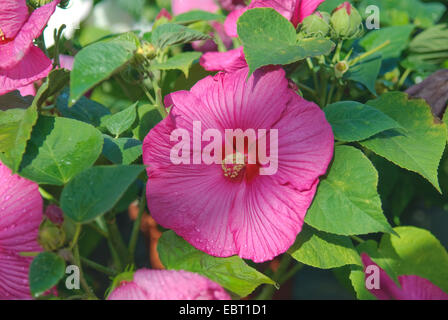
x,y
22,63
231,5
66,62
168,285
248,214
293,10
182,6
412,287
28,90
20,217
229,61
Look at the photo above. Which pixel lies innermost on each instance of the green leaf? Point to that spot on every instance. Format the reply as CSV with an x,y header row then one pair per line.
x,y
181,61
46,270
397,35
419,145
347,201
121,150
148,117
324,250
418,253
56,81
84,110
121,121
15,131
197,15
14,99
365,72
354,121
170,34
59,149
99,61
91,194
232,273
269,38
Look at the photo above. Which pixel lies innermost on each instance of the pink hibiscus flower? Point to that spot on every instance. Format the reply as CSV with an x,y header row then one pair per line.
x,y
22,63
182,6
168,285
224,209
20,217
412,287
293,10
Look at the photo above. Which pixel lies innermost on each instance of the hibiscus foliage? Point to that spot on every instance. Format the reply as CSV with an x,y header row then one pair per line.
x,y
86,147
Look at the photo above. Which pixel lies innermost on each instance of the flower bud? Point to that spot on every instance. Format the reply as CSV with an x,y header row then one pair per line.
x,y
340,68
51,236
38,3
316,25
346,22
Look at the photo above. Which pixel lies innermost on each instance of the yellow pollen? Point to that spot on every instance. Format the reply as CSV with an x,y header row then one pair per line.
x,y
231,170
2,35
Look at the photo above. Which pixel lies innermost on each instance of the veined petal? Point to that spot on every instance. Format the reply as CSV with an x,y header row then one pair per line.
x,y
34,66
20,212
228,61
13,51
14,276
13,14
182,6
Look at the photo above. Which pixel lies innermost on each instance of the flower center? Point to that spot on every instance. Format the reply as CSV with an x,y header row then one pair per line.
x,y
236,167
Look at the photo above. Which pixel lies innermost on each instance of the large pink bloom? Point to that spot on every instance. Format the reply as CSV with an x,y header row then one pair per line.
x,y
293,10
22,63
254,216
20,217
168,285
412,287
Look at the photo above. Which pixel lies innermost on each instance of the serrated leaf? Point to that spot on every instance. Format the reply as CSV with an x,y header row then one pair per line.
x,y
232,273
181,61
347,201
91,194
419,145
46,270
122,150
121,121
324,250
15,130
354,121
170,34
59,149
99,61
269,38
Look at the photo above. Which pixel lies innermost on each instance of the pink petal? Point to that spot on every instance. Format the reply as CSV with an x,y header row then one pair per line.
x,y
237,102
305,9
267,217
228,61
230,25
13,14
13,51
285,7
20,212
34,66
14,276
28,90
182,6
231,5
412,287
306,143
176,195
169,285
66,61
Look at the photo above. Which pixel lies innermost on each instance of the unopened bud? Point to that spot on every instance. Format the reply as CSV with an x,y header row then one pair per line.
x,y
316,25
346,22
51,236
340,68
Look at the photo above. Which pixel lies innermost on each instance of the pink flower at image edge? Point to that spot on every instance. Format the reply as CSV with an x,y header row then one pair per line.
x,y
168,285
20,217
22,63
412,287
256,217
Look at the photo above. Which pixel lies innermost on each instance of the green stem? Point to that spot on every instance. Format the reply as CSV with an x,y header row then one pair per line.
x,y
83,281
136,227
369,53
117,242
403,78
76,236
306,88
337,54
46,195
357,239
98,267
330,94
313,72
